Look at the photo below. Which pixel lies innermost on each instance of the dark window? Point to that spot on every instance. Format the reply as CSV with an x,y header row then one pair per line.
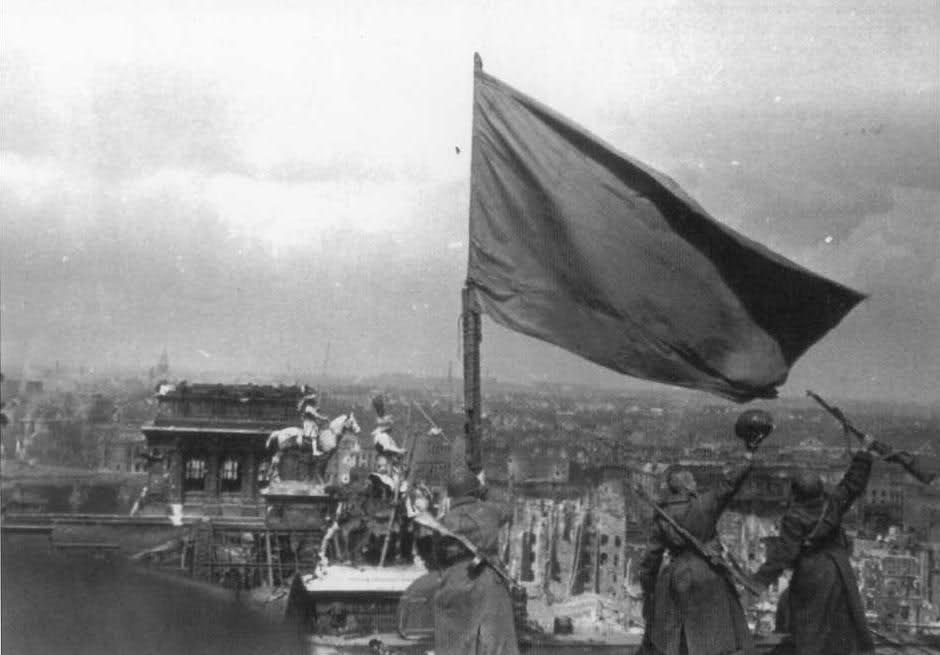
x,y
230,475
603,540
195,474
617,542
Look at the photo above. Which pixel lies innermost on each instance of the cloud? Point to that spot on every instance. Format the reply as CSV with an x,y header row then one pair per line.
x,y
142,119
162,262
791,176
258,184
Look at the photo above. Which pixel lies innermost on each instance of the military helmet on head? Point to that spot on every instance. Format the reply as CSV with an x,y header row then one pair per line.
x,y
753,426
463,483
806,485
681,481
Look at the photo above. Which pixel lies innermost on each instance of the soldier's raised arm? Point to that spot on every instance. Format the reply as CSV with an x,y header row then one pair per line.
x,y
853,482
847,491
732,480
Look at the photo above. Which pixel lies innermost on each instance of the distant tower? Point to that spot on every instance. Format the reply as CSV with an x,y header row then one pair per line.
x,y
163,365
450,386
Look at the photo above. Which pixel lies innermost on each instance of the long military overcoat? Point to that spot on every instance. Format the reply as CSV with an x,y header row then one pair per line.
x,y
826,615
695,610
473,610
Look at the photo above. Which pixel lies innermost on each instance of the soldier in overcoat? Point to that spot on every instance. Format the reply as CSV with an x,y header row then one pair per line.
x,y
691,607
695,608
826,614
473,610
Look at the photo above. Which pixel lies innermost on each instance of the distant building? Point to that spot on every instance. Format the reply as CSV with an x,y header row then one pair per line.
x,y
211,439
12,388
433,460
894,581
124,451
884,500
921,511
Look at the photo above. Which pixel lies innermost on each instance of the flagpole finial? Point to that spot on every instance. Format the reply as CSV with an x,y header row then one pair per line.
x,y
477,62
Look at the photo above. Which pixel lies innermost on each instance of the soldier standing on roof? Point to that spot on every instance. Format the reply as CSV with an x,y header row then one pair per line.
x,y
690,607
825,610
473,610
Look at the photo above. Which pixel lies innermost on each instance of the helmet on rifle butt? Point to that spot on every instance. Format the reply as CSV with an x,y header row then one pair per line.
x,y
753,426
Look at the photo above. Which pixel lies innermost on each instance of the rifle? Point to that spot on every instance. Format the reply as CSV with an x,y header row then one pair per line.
x,y
428,521
714,559
883,450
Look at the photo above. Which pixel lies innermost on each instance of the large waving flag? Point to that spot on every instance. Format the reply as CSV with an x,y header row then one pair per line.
x,y
581,246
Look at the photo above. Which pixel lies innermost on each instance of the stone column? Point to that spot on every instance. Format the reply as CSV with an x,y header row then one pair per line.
x,y
175,474
212,474
249,472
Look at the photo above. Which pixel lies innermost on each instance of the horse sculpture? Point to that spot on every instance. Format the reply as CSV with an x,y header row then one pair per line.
x,y
323,445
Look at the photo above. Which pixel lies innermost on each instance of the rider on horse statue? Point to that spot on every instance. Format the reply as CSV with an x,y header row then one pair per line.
x,y
309,408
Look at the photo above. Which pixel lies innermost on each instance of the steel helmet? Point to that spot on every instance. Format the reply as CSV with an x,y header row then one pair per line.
x,y
753,426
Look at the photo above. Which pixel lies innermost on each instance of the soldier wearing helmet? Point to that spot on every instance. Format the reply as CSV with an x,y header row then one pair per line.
x,y
689,606
825,610
473,611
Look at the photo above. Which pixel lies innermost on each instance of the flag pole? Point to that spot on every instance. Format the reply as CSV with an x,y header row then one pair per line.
x,y
471,379
472,336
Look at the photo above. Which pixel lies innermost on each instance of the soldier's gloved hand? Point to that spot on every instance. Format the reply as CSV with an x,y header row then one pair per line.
x,y
435,432
868,443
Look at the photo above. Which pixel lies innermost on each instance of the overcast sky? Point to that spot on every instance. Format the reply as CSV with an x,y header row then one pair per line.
x,y
244,185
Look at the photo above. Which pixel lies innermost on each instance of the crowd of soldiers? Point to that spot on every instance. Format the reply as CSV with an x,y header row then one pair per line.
x,y
693,596
695,607
693,600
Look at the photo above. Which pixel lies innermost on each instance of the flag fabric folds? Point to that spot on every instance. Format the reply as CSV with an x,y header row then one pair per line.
x,y
581,246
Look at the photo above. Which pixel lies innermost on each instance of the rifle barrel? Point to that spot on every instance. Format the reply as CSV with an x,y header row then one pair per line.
x,y
906,460
837,414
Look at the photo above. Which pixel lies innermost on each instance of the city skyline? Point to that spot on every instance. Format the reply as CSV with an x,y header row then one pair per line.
x,y
245,187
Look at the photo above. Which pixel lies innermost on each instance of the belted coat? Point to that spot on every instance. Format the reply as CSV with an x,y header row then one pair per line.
x,y
695,609
826,615
473,610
